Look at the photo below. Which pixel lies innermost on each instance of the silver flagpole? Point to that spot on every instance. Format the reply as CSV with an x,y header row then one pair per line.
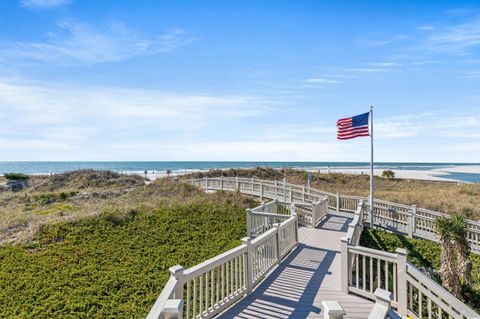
x,y
371,167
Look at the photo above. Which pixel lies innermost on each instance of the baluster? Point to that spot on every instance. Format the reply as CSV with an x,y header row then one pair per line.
x,y
201,296
371,275
410,297
386,276
218,284
228,281
429,308
232,276
206,292
394,266
236,274
364,273
195,297
379,280
420,306
188,298
356,270
212,288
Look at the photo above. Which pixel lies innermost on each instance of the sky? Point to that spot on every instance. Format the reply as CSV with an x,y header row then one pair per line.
x,y
238,80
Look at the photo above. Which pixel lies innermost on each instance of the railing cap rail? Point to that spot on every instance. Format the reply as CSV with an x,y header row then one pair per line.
x,y
211,263
441,292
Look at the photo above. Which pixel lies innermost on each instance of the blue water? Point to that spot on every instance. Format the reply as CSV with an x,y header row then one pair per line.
x,y
181,167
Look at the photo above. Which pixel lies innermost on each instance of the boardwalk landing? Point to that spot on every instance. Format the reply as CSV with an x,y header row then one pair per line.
x,y
309,275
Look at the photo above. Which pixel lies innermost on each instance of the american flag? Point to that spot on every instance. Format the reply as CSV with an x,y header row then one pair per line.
x,y
352,127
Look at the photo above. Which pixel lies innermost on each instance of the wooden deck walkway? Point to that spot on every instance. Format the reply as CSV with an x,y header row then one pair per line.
x,y
309,275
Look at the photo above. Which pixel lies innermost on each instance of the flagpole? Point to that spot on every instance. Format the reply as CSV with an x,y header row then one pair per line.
x,y
371,167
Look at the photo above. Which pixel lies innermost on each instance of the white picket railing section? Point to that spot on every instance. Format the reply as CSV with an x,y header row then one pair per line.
x,y
404,219
212,286
413,293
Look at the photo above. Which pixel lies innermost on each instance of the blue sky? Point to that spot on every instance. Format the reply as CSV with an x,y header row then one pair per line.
x,y
238,80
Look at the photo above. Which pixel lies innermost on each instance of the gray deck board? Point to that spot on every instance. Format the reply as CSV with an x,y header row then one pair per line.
x,y
309,275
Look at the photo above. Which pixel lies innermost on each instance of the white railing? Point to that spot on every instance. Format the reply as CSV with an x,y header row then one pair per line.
x,y
311,214
364,270
214,285
262,218
404,219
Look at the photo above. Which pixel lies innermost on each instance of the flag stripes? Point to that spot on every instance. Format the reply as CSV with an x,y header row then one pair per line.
x,y
351,127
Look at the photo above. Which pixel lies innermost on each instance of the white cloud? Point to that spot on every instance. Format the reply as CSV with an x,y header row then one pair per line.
x,y
320,81
426,27
426,123
381,41
245,150
44,3
69,115
454,39
81,43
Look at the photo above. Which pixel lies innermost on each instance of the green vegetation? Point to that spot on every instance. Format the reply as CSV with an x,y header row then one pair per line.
x,y
388,174
443,197
425,255
115,263
48,198
15,176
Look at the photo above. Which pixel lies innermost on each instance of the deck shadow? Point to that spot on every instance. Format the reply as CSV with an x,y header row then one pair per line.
x,y
290,290
333,222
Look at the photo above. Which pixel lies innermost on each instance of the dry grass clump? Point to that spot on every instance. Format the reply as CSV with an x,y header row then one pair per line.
x,y
84,179
76,195
446,197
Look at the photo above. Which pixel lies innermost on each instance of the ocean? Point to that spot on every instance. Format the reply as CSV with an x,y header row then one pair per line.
x,y
187,167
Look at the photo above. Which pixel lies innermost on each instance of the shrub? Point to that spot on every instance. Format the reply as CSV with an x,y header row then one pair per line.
x,y
15,176
388,174
48,198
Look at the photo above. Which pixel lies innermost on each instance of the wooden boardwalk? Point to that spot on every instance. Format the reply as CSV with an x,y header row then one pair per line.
x,y
309,275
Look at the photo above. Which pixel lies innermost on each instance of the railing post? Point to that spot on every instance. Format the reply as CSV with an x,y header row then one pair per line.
x,y
249,222
402,281
345,264
261,190
338,202
332,310
290,195
303,194
173,309
177,272
249,271
296,225
413,221
206,183
237,185
276,189
277,240
221,183
314,214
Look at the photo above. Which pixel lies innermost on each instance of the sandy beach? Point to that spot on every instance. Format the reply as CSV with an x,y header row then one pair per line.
x,y
439,174
470,169
428,175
